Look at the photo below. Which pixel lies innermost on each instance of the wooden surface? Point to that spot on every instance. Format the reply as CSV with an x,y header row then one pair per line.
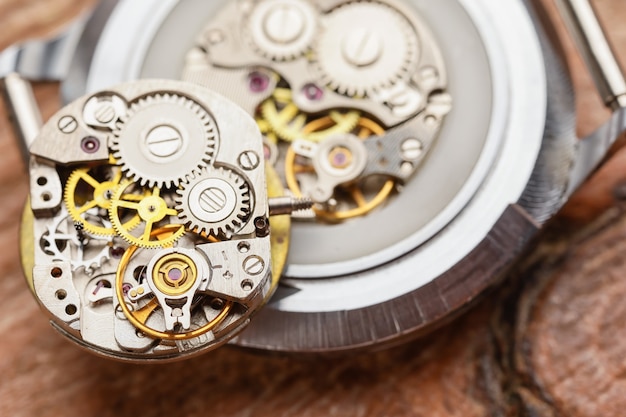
x,y
550,342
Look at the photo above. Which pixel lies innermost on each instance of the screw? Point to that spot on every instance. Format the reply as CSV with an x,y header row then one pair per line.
x,y
262,226
411,149
249,160
287,205
105,113
67,124
362,47
253,265
164,141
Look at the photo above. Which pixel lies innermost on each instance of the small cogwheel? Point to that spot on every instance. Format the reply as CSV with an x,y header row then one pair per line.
x,y
87,196
365,46
215,203
153,212
162,139
282,29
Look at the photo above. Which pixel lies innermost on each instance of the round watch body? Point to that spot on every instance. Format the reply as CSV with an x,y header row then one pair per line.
x,y
434,138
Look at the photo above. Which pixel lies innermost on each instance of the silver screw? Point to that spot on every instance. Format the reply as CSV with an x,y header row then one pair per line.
x,y
284,24
287,205
411,149
164,141
105,113
362,47
67,124
249,160
253,265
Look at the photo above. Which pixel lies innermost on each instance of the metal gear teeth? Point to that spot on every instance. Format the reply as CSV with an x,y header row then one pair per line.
x,y
210,140
68,191
288,133
88,265
233,222
400,74
267,48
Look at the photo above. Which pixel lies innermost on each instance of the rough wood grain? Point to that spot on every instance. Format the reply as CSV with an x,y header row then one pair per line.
x,y
548,343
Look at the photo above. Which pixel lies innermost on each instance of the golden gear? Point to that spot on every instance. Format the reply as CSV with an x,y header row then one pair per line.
x,y
359,205
287,122
153,213
138,318
85,191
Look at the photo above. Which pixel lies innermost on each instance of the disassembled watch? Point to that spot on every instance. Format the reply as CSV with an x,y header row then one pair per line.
x,y
434,139
150,220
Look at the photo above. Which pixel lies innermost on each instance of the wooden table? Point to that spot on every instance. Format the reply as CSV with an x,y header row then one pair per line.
x,y
550,342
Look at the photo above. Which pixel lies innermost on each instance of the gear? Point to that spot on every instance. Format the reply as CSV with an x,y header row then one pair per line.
x,y
282,30
350,201
163,138
286,121
215,203
153,212
87,196
85,252
365,46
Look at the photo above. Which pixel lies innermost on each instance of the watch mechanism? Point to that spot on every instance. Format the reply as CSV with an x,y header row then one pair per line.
x,y
350,95
150,220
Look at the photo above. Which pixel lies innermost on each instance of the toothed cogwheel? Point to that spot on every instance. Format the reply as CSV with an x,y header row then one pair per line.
x,y
365,46
287,121
215,203
282,29
154,214
87,196
163,138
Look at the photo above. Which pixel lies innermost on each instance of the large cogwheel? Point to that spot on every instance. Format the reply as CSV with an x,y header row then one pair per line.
x,y
163,138
87,195
215,203
282,29
364,47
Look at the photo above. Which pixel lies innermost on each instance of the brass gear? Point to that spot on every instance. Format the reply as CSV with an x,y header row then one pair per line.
x,y
359,205
153,212
86,191
286,120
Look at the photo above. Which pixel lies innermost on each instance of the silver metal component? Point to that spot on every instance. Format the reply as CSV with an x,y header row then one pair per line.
x,y
239,270
216,202
287,205
338,160
55,289
164,129
282,29
22,109
104,111
67,124
153,298
365,46
46,191
596,51
249,160
593,149
65,243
